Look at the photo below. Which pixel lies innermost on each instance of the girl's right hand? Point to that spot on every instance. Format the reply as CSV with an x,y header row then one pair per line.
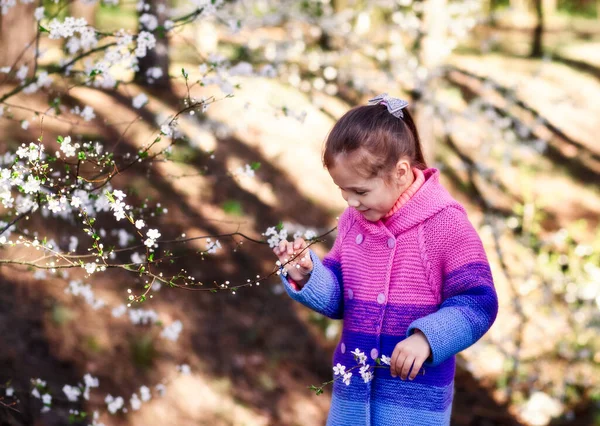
x,y
301,266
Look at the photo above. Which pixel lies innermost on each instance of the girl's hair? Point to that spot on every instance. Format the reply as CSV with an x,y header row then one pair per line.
x,y
385,139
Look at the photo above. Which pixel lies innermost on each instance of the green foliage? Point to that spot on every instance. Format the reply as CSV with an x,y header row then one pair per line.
x,y
143,352
111,18
62,315
583,8
93,344
233,207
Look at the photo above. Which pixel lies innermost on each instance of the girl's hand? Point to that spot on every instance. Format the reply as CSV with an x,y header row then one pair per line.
x,y
411,352
301,265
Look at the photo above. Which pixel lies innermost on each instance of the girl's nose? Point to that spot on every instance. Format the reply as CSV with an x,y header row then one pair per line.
x,y
352,202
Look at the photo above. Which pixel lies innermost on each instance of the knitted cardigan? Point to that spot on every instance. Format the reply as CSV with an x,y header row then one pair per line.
x,y
423,268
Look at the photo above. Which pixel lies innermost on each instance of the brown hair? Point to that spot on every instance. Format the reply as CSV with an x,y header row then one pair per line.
x,y
384,140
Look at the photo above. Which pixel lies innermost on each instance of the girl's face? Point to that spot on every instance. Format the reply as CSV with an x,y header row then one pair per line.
x,y
372,197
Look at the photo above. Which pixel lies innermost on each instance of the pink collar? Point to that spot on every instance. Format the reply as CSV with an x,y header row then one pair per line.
x,y
408,193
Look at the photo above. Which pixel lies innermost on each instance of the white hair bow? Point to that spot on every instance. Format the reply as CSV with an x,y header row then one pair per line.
x,y
394,105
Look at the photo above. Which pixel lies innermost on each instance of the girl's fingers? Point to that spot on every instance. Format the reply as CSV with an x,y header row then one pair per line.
x,y
408,363
393,360
282,245
299,243
416,368
398,364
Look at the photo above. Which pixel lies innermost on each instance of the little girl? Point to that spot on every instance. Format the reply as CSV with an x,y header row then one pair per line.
x,y
407,274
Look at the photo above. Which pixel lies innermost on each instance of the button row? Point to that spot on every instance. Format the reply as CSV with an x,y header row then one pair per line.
x,y
391,242
374,351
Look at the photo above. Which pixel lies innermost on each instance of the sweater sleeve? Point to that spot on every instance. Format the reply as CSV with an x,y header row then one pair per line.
x,y
323,292
455,257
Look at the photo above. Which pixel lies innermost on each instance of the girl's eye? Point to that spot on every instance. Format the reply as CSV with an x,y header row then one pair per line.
x,y
360,193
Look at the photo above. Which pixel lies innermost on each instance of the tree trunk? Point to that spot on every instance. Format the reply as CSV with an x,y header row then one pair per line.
x,y
519,6
491,9
339,5
79,9
431,57
17,37
538,32
549,7
159,56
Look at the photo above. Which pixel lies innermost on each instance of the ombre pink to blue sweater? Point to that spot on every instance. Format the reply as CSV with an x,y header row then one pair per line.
x,y
424,268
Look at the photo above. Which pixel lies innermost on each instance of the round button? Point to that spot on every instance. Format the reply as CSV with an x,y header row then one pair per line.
x,y
381,298
374,353
359,238
343,348
350,294
391,242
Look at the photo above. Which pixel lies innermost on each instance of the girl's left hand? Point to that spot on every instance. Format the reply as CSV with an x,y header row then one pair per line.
x,y
411,352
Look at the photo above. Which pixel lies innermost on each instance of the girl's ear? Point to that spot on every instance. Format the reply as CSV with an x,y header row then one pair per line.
x,y
403,171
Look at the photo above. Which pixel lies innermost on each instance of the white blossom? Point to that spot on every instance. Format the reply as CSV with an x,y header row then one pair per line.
x,y
67,148
310,234
149,21
211,247
114,404
6,5
10,391
275,236
145,41
153,233
245,171
44,79
90,268
360,356
154,73
72,392
166,130
140,100
119,311
145,393
135,402
143,316
139,224
347,378
137,258
32,185
268,71
339,369
76,288
161,389
172,331
22,72
75,202
88,113
386,359
67,28
184,369
39,13
90,382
